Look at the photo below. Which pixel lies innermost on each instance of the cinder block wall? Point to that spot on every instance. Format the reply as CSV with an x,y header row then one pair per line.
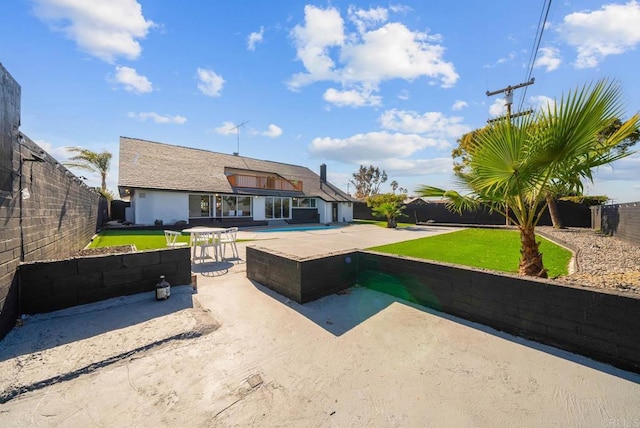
x,y
52,285
621,221
302,279
601,325
59,217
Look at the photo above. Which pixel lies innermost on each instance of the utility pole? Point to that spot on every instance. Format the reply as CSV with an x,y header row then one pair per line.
x,y
237,129
508,96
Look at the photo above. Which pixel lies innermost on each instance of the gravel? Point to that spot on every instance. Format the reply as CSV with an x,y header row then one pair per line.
x,y
602,261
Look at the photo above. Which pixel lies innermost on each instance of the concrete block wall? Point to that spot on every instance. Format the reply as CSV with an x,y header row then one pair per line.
x,y
51,285
59,217
302,279
620,220
601,325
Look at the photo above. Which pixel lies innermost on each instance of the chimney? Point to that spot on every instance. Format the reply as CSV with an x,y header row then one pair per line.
x,y
323,173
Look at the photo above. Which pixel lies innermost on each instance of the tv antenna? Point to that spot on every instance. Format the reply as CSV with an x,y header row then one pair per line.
x,y
237,129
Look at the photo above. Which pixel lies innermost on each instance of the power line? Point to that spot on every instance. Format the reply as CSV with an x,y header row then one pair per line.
x,y
542,22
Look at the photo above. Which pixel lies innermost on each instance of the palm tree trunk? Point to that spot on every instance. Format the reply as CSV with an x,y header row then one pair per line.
x,y
530,257
553,211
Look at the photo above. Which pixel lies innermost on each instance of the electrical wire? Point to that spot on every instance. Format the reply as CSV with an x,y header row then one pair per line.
x,y
542,22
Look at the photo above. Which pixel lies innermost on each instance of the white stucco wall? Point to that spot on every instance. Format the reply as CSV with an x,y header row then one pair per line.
x,y
326,216
169,207
345,212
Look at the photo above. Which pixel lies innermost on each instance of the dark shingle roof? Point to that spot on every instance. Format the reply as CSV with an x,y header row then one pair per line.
x,y
151,165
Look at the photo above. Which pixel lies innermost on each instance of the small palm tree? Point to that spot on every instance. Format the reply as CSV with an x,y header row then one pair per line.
x,y
387,205
513,166
91,161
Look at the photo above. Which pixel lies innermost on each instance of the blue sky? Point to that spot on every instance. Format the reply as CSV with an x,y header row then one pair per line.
x,y
341,83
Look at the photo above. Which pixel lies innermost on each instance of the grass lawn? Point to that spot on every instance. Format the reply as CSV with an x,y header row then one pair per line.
x,y
381,223
142,239
483,248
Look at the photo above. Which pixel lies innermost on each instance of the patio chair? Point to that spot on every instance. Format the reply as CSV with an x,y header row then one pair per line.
x,y
172,239
202,242
229,237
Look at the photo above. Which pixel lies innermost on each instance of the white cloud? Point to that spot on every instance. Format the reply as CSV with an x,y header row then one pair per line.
x,y
417,167
104,29
539,102
255,38
209,82
459,105
227,128
370,147
508,58
364,19
498,108
549,58
432,124
157,118
273,131
611,30
323,29
353,98
403,95
132,81
368,56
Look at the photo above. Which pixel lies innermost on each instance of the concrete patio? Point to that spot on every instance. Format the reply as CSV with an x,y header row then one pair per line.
x,y
237,354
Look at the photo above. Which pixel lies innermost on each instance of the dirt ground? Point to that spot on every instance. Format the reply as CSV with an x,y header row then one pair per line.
x,y
237,354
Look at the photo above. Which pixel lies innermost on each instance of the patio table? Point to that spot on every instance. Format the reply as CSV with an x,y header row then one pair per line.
x,y
200,236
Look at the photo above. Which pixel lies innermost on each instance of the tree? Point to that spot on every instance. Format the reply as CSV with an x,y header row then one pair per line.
x,y
387,205
91,161
557,189
367,181
514,164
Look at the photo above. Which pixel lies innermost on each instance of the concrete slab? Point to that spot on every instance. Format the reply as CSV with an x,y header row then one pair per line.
x,y
360,358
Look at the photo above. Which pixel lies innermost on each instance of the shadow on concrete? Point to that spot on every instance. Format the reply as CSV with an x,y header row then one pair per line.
x,y
44,331
212,269
340,313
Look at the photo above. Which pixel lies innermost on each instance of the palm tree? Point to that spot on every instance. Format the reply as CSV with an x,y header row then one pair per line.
x,y
387,205
91,161
514,165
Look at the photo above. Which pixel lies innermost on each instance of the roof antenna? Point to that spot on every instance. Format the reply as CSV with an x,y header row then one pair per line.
x,y
237,129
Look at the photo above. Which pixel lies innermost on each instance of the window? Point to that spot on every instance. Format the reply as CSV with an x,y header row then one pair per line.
x,y
199,206
303,203
219,206
277,207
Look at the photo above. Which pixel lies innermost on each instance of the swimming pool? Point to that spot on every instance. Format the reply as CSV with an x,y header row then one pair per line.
x,y
298,229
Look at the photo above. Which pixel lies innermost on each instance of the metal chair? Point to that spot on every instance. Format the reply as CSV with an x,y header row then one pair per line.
x,y
172,239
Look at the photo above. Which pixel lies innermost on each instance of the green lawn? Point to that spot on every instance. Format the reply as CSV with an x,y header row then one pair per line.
x,y
483,248
142,239
381,223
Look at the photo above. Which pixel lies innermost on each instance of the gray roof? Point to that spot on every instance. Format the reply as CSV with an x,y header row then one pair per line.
x,y
151,165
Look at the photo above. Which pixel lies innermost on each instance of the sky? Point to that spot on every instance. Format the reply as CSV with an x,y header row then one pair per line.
x,y
351,83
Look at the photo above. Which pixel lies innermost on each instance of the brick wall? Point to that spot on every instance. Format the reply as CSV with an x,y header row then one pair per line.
x,y
600,325
52,285
620,220
59,217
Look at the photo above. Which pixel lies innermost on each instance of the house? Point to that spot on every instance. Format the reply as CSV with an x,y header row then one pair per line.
x,y
173,183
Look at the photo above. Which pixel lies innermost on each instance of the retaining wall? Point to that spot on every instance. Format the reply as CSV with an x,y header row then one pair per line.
x,y
302,279
601,325
52,285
